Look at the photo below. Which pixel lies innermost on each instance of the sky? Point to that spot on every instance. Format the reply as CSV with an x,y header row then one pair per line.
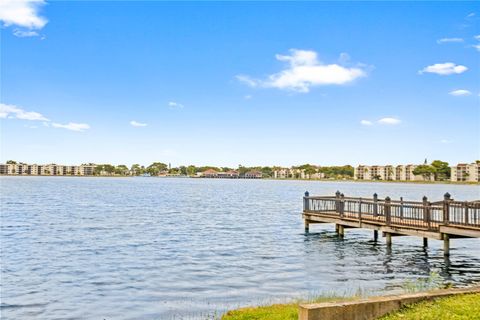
x,y
229,83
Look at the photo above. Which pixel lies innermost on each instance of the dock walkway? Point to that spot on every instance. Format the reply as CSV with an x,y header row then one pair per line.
x,y
441,220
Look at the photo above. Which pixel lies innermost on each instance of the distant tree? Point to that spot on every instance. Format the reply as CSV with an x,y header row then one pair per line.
x,y
389,173
424,170
183,170
442,170
121,170
267,172
337,171
191,170
136,169
11,162
155,168
242,170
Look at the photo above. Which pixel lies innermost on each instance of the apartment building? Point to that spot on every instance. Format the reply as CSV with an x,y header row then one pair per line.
x,y
46,170
466,172
362,173
388,172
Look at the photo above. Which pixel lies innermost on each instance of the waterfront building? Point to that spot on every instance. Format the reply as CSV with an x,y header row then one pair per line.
x,y
466,172
389,172
210,173
46,170
254,174
362,173
283,173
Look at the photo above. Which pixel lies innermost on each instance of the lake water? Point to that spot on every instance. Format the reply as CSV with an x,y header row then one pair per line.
x,y
153,248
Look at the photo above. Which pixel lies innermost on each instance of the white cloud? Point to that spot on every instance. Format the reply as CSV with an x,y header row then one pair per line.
x,y
445,141
460,92
470,15
12,111
389,121
305,71
477,46
24,14
477,37
444,69
366,122
175,105
137,124
247,80
247,97
72,126
23,34
449,40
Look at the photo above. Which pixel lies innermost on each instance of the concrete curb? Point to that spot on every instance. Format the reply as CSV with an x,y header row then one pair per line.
x,y
371,308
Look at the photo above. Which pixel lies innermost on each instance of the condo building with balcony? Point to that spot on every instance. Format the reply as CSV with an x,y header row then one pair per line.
x,y
46,170
466,172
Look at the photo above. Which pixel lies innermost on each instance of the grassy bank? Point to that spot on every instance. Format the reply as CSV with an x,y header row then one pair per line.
x,y
461,307
287,311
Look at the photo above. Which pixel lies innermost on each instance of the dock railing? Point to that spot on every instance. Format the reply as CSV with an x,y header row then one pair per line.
x,y
423,214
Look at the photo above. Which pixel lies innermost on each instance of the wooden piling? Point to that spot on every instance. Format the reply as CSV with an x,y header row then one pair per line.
x,y
388,236
446,245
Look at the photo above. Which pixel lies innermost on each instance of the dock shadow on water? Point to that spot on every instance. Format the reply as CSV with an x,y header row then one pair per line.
x,y
100,248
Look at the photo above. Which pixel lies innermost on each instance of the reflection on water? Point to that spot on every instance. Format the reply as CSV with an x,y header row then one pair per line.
x,y
151,248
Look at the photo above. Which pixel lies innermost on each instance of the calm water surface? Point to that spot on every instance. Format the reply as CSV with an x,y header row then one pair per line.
x,y
150,248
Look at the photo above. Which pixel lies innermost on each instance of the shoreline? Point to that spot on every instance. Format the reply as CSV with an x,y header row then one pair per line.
x,y
382,306
467,183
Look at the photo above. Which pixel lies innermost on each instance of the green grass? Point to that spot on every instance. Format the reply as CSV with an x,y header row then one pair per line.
x,y
462,307
287,311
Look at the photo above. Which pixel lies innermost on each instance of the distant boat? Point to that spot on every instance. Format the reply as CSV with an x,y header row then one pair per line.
x,y
145,175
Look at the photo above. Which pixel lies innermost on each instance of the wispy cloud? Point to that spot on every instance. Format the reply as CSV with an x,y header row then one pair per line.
x,y
247,97
137,124
477,46
445,141
72,126
382,121
12,111
175,105
444,69
449,40
460,92
389,121
24,14
25,33
304,71
366,122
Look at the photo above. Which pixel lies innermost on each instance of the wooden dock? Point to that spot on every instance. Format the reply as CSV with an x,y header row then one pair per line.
x,y
441,220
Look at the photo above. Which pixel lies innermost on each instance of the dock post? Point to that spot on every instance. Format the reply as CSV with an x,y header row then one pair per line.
x,y
375,235
425,242
446,245
388,216
375,205
337,228
306,202
307,226
446,208
341,231
389,239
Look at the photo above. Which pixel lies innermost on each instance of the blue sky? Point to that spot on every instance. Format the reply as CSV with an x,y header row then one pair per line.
x,y
268,83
